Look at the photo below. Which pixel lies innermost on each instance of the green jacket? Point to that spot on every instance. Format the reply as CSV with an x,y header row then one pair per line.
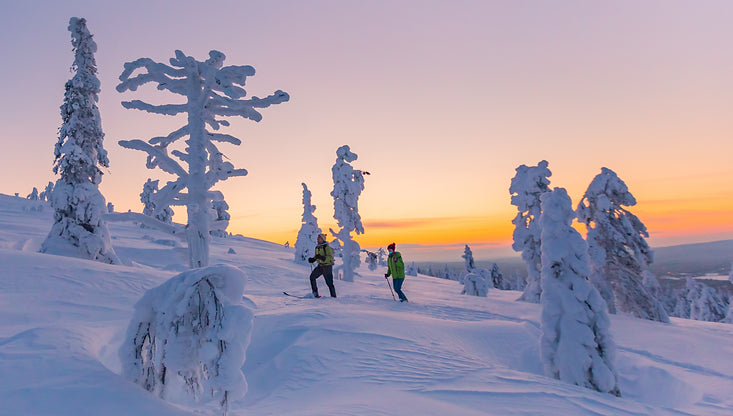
x,y
395,266
326,251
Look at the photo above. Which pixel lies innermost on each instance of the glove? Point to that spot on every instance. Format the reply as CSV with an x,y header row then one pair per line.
x,y
320,257
311,259
386,275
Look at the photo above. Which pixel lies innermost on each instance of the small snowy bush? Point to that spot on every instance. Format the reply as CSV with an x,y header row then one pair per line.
x,y
187,339
475,284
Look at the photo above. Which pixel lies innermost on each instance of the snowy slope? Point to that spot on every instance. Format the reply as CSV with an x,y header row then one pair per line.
x,y
360,354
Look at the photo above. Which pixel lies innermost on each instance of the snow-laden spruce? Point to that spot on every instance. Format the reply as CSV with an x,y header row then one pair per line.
x,y
576,344
210,90
370,260
305,244
220,218
617,247
33,196
468,262
187,339
79,228
46,194
699,302
526,188
347,186
163,214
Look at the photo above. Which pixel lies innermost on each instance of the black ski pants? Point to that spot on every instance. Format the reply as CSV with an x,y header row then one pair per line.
x,y
327,273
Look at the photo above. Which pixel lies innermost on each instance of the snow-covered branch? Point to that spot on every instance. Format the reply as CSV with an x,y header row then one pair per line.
x,y
166,110
159,158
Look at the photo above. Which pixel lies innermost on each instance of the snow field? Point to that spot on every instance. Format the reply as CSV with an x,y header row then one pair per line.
x,y
443,353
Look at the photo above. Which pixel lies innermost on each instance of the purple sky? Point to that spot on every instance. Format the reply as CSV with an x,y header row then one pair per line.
x,y
441,101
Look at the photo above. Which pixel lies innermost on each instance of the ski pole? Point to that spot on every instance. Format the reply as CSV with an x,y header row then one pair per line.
x,y
390,288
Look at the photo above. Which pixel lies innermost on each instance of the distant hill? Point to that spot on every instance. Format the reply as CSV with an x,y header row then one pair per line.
x,y
695,259
672,261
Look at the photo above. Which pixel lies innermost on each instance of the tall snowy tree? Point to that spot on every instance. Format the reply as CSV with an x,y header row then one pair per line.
x,y
347,186
187,339
618,250
79,207
211,90
305,244
526,188
576,344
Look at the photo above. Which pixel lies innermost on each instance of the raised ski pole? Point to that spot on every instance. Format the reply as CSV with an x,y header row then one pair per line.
x,y
390,288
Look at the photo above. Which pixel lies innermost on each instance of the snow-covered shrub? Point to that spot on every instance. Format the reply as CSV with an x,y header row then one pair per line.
x,y
187,339
46,194
526,188
33,196
305,244
411,269
475,284
220,218
79,228
371,260
382,257
576,344
617,247
210,90
497,277
347,186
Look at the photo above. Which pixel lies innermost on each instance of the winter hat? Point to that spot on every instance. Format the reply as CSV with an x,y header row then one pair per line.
x,y
323,236
391,246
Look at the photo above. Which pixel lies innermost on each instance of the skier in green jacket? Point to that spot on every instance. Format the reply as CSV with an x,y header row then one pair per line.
x,y
396,269
324,256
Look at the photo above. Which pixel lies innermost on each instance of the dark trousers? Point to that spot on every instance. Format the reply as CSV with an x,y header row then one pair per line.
x,y
327,273
397,283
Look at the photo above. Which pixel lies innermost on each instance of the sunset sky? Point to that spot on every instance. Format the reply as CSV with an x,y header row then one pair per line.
x,y
441,100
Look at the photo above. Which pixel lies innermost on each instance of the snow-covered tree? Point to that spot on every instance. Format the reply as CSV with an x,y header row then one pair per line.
x,y
381,257
211,91
411,269
617,247
729,315
187,339
220,218
708,306
79,227
164,213
46,194
475,284
526,188
347,186
730,274
110,208
469,263
371,260
497,278
576,344
305,244
33,196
